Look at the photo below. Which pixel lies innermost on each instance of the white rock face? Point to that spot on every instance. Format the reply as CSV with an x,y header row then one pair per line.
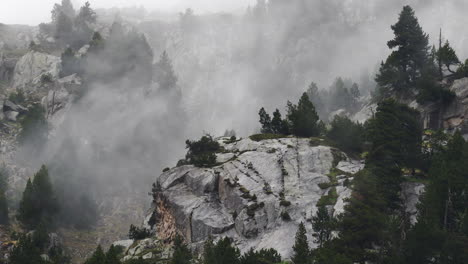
x,y
411,191
242,198
32,66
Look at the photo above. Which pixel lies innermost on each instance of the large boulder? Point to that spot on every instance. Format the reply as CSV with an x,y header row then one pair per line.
x,y
248,195
32,66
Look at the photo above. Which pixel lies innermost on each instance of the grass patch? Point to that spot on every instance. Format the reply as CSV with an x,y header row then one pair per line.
x,y
329,199
260,137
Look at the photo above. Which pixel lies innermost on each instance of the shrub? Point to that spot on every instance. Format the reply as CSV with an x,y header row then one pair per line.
x,y
260,137
201,153
137,233
347,135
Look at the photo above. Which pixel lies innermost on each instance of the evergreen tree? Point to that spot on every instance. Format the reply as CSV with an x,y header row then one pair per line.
x,y
182,254
302,253
3,200
27,210
83,23
446,56
164,73
323,225
98,257
112,255
38,201
405,65
263,256
363,221
355,91
223,252
395,134
26,252
63,28
348,136
303,118
278,125
265,121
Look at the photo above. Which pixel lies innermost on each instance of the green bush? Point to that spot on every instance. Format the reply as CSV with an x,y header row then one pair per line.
x,y
260,137
202,153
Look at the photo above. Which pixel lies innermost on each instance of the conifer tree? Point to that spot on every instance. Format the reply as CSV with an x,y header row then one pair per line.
x,y
405,65
38,202
182,254
98,257
3,200
303,118
302,253
447,56
223,252
112,255
278,125
323,225
164,73
265,121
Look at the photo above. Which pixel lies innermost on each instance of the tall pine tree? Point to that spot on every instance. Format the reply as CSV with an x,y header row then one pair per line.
x,y
302,253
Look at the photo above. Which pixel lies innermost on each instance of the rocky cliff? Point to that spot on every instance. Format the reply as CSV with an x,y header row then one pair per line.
x,y
258,194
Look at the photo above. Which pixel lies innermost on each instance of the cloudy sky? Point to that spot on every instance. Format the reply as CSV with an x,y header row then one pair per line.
x,y
33,12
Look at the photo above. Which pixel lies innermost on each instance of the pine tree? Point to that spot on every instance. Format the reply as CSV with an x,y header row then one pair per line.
x,y
98,257
405,65
27,210
302,253
38,201
182,254
3,200
263,256
265,121
223,252
278,125
447,56
164,74
323,225
112,255
303,118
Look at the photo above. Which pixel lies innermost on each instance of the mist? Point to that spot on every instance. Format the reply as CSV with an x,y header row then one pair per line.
x,y
117,137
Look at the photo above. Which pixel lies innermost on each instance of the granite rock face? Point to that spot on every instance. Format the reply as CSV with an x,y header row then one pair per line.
x,y
32,66
247,196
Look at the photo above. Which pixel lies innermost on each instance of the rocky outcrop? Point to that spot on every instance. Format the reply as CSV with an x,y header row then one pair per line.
x,y
32,66
258,194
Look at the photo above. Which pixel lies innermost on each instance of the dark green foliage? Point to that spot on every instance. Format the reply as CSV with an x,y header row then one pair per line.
x,y
3,199
355,91
348,136
26,252
263,256
30,248
17,97
182,254
223,252
112,255
137,233
440,231
98,257
446,56
364,220
405,65
63,28
342,97
34,127
38,202
265,121
46,78
201,153
395,134
303,118
323,225
462,71
260,137
278,125
302,253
